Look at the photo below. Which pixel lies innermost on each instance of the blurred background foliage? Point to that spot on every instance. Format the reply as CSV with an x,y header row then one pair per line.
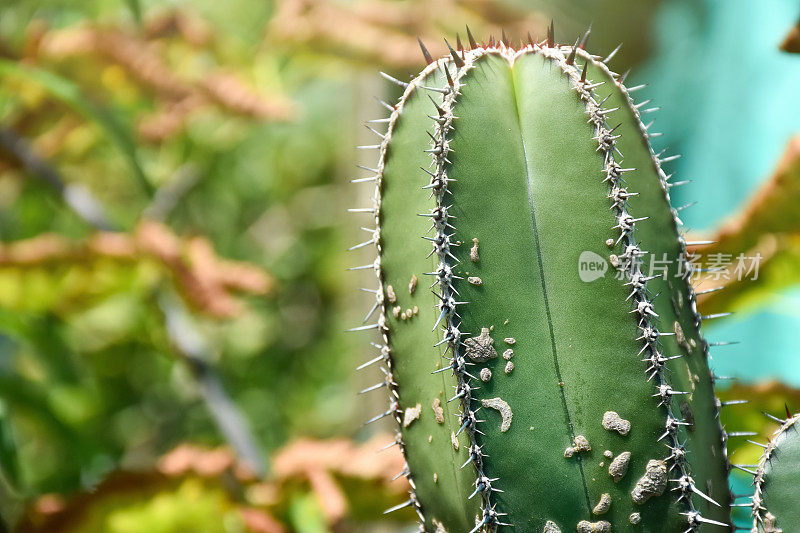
x,y
173,289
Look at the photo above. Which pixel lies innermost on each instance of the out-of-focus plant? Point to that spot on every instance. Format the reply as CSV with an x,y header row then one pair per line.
x,y
768,228
386,32
198,176
199,489
765,404
52,273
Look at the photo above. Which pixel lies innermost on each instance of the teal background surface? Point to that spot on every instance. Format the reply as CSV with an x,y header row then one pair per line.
x,y
730,101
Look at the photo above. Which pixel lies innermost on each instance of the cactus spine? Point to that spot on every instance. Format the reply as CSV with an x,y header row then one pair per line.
x,y
600,413
777,481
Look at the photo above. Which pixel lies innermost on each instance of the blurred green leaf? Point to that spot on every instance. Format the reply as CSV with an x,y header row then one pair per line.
x,y
9,458
306,516
135,8
69,93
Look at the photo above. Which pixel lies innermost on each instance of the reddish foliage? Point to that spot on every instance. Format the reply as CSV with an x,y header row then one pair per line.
x,y
206,280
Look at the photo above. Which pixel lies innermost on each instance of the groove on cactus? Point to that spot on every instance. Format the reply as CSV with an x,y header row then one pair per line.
x,y
446,452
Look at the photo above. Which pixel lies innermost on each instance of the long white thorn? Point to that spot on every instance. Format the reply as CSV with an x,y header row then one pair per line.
x,y
361,245
363,180
374,387
715,315
398,507
704,496
709,291
610,56
732,402
376,132
394,80
364,328
370,362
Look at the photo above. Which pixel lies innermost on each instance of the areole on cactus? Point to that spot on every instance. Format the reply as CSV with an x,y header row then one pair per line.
x,y
531,395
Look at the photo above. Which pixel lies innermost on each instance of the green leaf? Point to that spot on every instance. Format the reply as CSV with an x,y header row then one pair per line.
x,y
70,94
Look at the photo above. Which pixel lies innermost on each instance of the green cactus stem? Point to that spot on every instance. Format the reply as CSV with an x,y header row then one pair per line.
x,y
541,377
777,481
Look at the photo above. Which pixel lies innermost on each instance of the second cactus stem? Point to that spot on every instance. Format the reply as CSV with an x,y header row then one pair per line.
x,y
777,481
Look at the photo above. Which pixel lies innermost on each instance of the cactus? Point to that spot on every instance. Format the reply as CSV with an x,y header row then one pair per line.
x,y
529,398
777,480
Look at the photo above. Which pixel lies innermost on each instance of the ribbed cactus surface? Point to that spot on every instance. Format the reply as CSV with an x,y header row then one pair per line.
x,y
776,502
541,376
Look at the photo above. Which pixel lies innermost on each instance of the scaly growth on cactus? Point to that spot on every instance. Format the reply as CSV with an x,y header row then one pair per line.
x,y
534,390
777,481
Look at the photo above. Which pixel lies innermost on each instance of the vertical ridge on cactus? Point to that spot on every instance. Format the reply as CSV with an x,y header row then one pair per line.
x,y
525,395
777,479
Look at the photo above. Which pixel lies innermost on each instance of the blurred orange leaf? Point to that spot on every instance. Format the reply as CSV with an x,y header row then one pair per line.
x,y
791,43
769,227
189,459
319,461
206,280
